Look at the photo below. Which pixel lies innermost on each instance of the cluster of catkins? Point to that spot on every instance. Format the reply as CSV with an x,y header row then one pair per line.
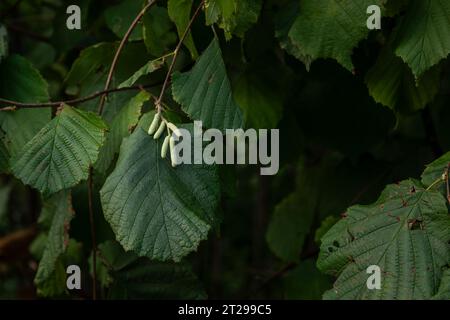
x,y
157,127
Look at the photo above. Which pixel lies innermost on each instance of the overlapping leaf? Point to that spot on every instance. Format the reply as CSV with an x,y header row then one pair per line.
x,y
90,70
159,36
179,13
205,92
20,81
424,36
154,209
392,84
120,127
331,29
59,156
405,233
235,17
146,69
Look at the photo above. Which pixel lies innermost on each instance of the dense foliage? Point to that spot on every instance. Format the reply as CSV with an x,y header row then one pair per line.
x,y
363,176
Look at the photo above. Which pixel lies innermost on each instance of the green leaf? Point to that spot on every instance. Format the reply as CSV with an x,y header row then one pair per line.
x,y
261,100
331,29
405,233
20,81
180,13
325,225
305,282
3,42
289,226
121,126
205,92
90,70
59,156
236,16
154,209
424,36
22,125
293,216
57,213
392,84
119,18
158,34
284,21
444,289
436,169
148,68
139,278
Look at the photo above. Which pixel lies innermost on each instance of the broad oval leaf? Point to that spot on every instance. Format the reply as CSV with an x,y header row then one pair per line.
x,y
330,29
154,209
405,233
60,155
205,92
424,36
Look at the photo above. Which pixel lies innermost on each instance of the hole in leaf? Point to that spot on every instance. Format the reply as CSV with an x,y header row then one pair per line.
x,y
415,224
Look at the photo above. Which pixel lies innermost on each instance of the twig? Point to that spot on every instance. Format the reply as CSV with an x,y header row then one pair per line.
x,y
175,55
20,105
119,50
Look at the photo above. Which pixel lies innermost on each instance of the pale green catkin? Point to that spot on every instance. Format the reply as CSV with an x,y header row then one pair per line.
x,y
165,147
161,128
154,124
174,129
172,152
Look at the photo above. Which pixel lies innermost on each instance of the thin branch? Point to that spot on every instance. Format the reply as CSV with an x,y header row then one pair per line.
x,y
119,51
20,105
175,55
